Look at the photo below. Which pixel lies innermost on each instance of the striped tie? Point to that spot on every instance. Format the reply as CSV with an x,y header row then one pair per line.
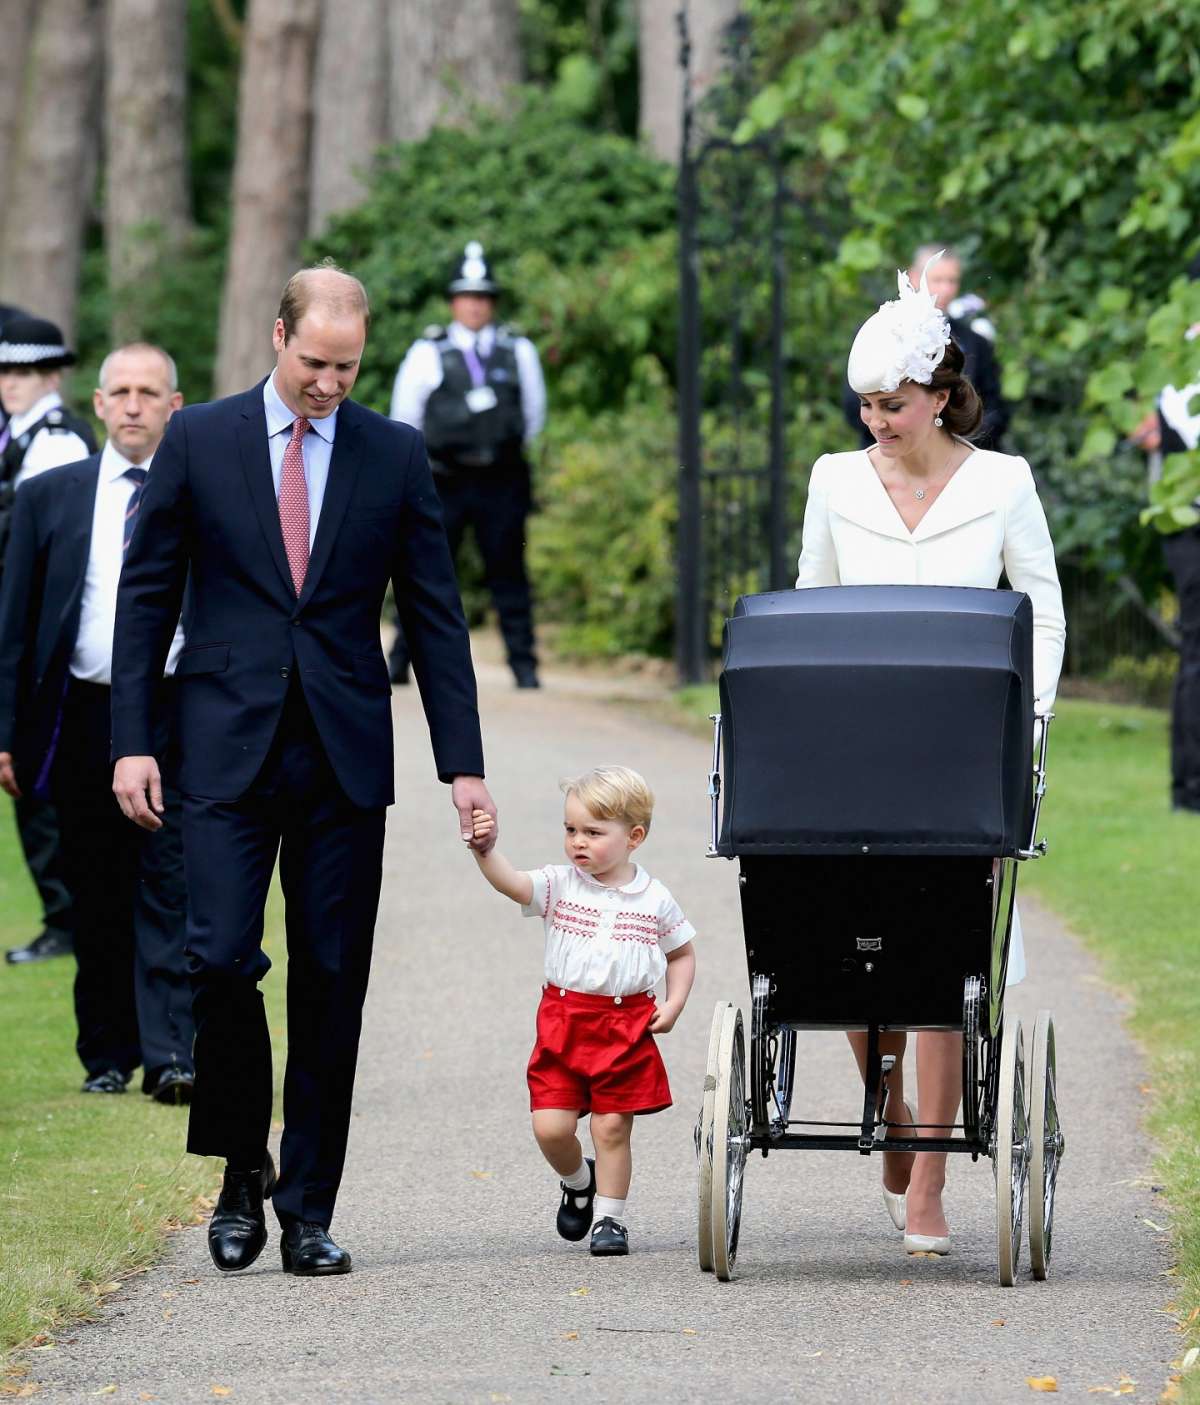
x,y
138,476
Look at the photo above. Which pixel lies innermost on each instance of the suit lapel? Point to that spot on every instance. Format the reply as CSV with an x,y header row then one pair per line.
x,y
968,495
256,465
861,498
345,461
80,503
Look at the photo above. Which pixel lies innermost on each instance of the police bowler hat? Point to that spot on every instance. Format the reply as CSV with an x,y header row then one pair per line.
x,y
33,344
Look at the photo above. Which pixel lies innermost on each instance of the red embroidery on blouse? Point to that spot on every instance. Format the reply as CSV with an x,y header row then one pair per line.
x,y
572,919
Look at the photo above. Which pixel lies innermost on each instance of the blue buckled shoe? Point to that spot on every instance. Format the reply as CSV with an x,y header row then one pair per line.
x,y
609,1238
575,1212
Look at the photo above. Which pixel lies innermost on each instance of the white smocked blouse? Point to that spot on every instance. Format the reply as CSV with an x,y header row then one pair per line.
x,y
602,940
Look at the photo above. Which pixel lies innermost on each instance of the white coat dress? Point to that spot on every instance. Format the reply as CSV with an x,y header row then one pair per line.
x,y
986,521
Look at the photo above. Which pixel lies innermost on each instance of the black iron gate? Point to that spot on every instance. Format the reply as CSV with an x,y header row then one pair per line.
x,y
733,209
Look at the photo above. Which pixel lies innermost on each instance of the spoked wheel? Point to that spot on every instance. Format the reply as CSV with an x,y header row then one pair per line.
x,y
704,1142
730,1143
1046,1143
1010,1154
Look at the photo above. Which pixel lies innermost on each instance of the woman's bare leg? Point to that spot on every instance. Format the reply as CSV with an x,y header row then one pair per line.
x,y
939,1087
897,1165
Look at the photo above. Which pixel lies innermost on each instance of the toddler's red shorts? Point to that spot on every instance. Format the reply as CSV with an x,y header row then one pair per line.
x,y
596,1053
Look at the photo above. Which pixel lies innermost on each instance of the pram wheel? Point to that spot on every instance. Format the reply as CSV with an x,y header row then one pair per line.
x,y
1010,1150
730,1143
704,1142
1046,1143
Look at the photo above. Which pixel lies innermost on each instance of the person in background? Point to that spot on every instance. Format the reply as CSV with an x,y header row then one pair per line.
x,y
39,434
1173,427
70,530
476,391
973,332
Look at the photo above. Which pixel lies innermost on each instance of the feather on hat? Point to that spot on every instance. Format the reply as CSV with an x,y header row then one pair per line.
x,y
904,340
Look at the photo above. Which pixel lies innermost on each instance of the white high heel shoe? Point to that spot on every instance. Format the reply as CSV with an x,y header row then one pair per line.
x,y
927,1244
896,1205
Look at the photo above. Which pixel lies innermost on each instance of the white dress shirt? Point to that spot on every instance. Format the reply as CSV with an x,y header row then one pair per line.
x,y
420,374
603,940
92,659
317,448
47,450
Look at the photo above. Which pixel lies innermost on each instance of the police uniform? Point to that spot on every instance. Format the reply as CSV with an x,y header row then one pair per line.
x,y
479,398
44,436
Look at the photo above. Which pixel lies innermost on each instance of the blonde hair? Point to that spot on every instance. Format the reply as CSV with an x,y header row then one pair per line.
x,y
613,793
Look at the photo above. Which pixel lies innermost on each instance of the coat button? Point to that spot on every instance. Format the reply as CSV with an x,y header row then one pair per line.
x,y
285,673
616,999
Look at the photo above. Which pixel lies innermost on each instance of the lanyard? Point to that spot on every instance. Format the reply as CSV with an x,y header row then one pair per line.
x,y
476,365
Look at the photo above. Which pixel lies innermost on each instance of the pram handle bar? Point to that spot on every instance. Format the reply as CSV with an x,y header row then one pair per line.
x,y
714,786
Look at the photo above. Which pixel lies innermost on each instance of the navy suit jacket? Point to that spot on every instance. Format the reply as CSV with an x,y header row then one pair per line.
x,y
209,506
44,571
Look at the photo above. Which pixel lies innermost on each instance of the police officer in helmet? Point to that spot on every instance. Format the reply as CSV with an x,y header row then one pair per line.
x,y
475,389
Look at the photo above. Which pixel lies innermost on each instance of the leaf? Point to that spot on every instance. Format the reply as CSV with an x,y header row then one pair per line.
x,y
690,1332
222,1390
1189,1356
106,1390
580,1292
482,1175
1043,1383
911,106
1161,1229
570,1336
567,1371
997,1321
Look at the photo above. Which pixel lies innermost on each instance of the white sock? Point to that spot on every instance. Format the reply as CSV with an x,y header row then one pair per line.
x,y
579,1180
604,1206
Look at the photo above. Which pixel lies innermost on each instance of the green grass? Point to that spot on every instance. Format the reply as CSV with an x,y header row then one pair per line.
x,y
88,1184
1123,871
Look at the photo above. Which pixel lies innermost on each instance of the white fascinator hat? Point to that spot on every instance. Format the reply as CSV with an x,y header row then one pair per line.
x,y
904,341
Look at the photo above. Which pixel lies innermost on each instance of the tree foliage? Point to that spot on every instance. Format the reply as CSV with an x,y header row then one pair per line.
x,y
1056,146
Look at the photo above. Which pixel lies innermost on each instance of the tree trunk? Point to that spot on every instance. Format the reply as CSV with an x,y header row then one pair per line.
x,y
449,58
350,105
52,164
14,57
270,181
660,85
147,203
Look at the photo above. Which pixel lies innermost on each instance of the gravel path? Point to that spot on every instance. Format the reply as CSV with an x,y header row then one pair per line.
x,y
461,1290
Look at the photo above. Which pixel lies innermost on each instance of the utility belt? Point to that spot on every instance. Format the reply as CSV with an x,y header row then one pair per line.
x,y
479,463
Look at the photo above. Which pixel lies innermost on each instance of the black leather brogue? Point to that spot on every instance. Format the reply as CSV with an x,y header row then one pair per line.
x,y
237,1231
309,1252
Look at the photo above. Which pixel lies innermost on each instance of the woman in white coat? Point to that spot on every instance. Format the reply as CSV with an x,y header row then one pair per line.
x,y
922,506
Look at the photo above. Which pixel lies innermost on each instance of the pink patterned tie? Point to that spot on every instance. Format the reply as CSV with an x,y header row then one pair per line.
x,y
293,504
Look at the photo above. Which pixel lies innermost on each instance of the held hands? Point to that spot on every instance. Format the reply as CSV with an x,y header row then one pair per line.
x,y
483,829
135,780
470,798
8,779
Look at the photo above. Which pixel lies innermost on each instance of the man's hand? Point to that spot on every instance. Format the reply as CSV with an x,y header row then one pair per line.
x,y
135,780
468,794
8,779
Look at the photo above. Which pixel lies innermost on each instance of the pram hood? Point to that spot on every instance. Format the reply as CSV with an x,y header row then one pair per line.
x,y
878,720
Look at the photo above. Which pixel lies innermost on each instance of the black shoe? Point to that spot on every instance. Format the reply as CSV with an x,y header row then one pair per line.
x,y
574,1217
609,1238
112,1080
43,948
173,1086
308,1252
238,1228
526,675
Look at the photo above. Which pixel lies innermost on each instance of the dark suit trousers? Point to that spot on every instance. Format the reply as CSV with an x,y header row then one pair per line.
x,y
1182,550
132,997
330,866
37,824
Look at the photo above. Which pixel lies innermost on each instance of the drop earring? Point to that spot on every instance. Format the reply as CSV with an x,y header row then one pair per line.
x,y
937,419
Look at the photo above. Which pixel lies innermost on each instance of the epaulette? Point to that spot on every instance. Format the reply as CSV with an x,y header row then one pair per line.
x,y
434,332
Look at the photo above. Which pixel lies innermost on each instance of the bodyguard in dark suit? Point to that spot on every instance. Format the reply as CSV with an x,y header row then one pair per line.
x,y
293,507
69,529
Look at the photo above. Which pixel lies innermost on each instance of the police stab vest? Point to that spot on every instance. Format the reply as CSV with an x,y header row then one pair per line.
x,y
58,420
474,420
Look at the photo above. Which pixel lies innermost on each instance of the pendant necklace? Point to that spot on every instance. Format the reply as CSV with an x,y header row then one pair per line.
x,y
919,493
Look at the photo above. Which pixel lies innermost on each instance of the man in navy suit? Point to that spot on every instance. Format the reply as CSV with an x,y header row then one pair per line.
x,y
292,507
69,529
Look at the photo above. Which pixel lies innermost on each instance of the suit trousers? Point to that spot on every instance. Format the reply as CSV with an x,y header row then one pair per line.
x,y
132,996
495,504
1182,550
330,866
37,824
